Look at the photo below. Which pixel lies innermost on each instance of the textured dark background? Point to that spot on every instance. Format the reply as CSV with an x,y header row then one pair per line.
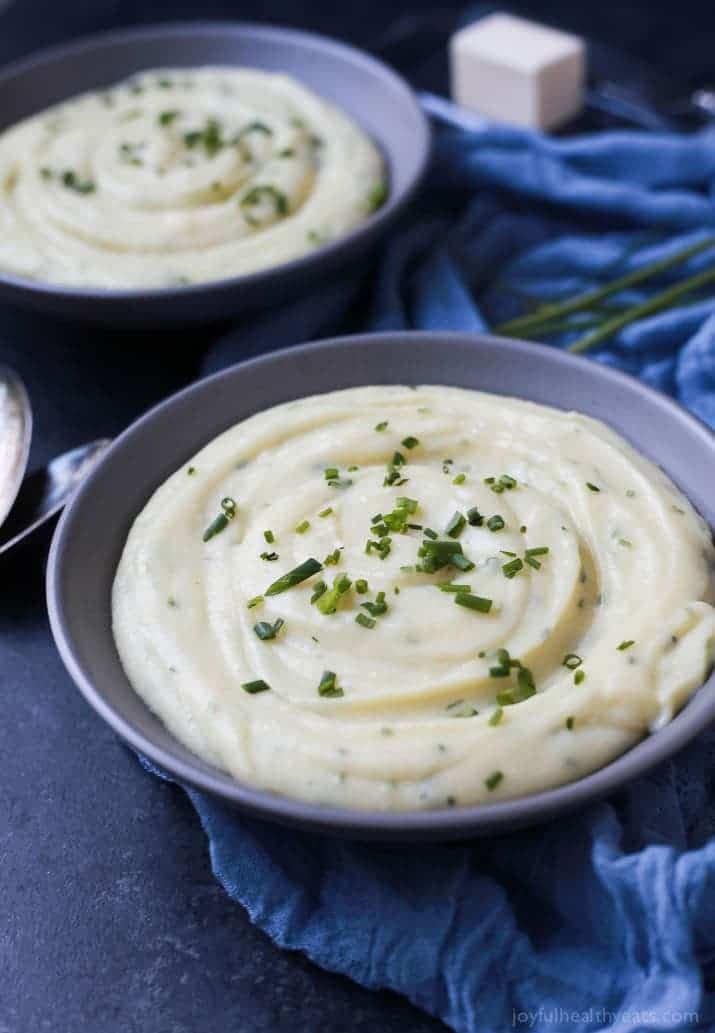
x,y
112,921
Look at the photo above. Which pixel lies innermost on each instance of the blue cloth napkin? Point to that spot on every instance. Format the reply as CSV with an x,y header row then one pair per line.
x,y
605,920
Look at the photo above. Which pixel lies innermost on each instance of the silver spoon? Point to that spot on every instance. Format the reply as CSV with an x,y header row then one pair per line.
x,y
45,492
15,435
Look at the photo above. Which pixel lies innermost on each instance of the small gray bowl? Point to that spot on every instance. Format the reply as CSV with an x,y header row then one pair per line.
x,y
376,97
92,532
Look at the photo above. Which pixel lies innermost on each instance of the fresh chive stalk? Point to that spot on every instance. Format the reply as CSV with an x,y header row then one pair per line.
x,y
523,325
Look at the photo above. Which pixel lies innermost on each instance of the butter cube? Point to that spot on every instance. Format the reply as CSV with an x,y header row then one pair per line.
x,y
516,71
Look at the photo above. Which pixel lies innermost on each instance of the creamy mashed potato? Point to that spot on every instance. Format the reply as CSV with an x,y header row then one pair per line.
x,y
13,444
179,176
398,599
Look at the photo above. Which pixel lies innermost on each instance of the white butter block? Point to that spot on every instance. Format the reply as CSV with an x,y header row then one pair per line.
x,y
513,70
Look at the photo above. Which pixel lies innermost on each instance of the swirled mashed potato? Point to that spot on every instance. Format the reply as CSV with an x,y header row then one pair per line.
x,y
392,598
178,176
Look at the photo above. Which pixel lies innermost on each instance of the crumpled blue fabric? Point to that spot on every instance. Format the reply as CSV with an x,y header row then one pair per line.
x,y
600,921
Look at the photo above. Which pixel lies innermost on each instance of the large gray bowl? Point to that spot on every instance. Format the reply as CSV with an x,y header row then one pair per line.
x,y
378,99
92,532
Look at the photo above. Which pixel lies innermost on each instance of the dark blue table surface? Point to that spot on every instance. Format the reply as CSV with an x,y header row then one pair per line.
x,y
112,921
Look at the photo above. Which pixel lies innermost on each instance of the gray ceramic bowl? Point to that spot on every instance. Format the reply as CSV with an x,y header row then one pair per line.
x,y
91,534
378,99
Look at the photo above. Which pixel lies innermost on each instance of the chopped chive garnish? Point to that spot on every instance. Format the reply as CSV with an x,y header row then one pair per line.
x,y
505,552
165,118
191,471
364,621
256,601
436,554
377,196
228,512
579,676
460,478
392,477
409,505
325,512
378,607
329,685
525,681
429,533
474,517
269,536
270,557
493,780
501,484
331,472
332,559
461,562
266,631
216,525
572,661
540,550
253,687
592,487
627,643
625,542
361,586
257,194
302,527
496,523
410,442
295,576
456,525
496,716
381,426
72,181
448,586
473,602
569,723
329,600
525,686
398,459
320,588
381,547
512,568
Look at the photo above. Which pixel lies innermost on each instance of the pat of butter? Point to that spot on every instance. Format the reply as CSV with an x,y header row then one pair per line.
x,y
513,70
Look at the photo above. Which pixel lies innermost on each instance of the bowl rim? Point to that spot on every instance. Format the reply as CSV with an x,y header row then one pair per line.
x,y
35,62
444,823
